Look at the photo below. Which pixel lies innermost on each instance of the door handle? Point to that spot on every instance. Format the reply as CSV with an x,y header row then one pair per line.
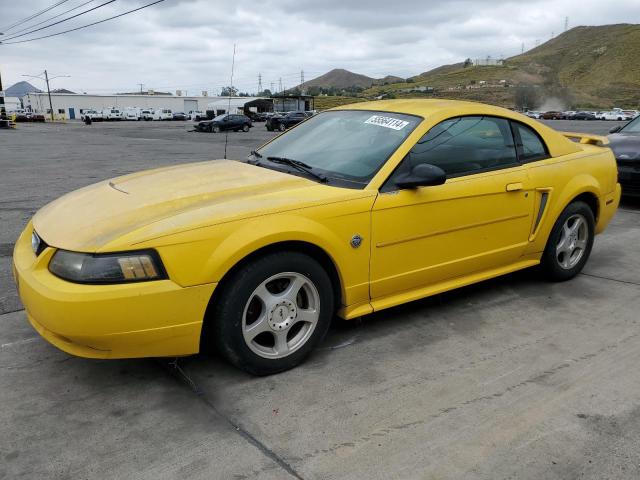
x,y
514,187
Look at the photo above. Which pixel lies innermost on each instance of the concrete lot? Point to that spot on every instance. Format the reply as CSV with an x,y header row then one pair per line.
x,y
512,378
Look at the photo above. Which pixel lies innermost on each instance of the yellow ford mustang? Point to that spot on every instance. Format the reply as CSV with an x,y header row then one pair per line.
x,y
355,210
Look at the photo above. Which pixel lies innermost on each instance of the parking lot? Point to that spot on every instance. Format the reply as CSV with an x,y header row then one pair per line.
x,y
510,378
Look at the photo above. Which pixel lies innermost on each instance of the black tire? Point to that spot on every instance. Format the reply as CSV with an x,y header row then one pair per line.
x,y
223,328
281,127
550,264
245,128
269,128
214,129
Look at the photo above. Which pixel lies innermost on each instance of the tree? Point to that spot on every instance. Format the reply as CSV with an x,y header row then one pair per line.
x,y
527,97
467,63
229,92
265,93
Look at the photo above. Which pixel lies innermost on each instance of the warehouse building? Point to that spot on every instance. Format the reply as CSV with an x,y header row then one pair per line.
x,y
71,105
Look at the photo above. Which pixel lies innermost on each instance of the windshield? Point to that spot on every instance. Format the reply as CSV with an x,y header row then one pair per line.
x,y
633,126
349,145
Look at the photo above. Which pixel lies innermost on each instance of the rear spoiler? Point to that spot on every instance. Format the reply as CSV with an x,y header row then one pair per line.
x,y
587,138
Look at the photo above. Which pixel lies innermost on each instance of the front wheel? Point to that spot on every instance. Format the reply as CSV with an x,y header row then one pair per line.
x,y
245,128
281,127
272,313
215,129
570,242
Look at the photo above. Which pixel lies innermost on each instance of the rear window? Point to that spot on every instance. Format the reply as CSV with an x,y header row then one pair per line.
x,y
530,146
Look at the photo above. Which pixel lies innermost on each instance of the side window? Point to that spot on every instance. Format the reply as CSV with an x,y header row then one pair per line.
x,y
529,145
463,146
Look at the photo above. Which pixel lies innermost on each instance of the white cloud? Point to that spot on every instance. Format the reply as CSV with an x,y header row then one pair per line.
x,y
187,44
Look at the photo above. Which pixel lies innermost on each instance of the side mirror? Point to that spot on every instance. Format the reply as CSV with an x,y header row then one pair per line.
x,y
422,175
615,129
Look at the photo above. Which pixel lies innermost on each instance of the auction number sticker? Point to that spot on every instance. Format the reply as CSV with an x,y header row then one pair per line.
x,y
387,122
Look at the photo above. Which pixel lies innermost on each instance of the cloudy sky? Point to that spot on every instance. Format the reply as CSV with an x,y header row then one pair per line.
x,y
188,44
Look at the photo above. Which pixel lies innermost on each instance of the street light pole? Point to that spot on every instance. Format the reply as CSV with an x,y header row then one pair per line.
x,y
46,77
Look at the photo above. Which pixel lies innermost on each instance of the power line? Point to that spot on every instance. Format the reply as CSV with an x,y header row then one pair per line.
x,y
85,26
63,20
54,17
31,17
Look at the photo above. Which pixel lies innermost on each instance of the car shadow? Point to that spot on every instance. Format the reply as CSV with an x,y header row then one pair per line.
x,y
423,321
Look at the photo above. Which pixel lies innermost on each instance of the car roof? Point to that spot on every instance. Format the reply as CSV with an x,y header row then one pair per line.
x,y
437,110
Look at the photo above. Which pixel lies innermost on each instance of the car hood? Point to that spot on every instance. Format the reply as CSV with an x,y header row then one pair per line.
x,y
117,214
624,146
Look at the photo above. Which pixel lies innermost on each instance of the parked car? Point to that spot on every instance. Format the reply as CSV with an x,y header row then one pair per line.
x,y
258,116
254,257
94,115
112,114
625,143
533,114
196,115
613,115
583,116
29,117
179,116
163,114
225,121
282,122
553,115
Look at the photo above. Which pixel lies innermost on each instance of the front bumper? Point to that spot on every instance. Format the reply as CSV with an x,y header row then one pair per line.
x,y
147,319
629,178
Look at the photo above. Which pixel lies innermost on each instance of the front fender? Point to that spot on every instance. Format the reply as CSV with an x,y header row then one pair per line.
x,y
217,250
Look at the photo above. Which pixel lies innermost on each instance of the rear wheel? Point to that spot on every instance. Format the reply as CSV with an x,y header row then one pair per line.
x,y
570,242
272,313
281,127
245,128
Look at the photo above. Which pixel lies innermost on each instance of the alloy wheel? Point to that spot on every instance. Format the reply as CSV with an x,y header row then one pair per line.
x,y
281,315
573,241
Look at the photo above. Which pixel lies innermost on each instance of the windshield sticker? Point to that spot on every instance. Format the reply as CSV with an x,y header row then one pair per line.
x,y
387,122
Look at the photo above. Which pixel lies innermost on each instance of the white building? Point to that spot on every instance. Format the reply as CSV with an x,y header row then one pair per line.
x,y
71,105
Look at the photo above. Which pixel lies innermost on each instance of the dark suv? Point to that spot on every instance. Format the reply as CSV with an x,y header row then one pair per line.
x,y
225,122
282,122
625,143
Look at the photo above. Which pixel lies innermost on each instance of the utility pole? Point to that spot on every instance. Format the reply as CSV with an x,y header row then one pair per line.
x,y
46,77
3,112
272,87
280,85
259,83
522,49
566,23
141,85
302,82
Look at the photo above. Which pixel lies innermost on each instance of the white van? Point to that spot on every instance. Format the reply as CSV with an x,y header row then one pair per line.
x,y
112,114
131,113
163,114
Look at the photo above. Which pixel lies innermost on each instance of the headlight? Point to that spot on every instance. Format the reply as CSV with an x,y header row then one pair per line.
x,y
122,267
